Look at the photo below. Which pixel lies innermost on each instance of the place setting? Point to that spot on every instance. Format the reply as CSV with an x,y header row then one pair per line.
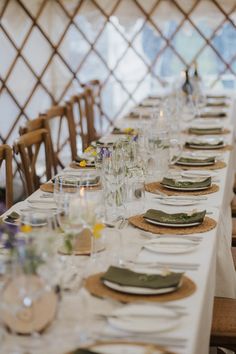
x,y
68,182
126,285
183,186
213,111
207,143
119,347
157,221
200,160
206,129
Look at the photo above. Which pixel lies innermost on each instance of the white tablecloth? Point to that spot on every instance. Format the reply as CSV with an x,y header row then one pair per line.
x,y
215,276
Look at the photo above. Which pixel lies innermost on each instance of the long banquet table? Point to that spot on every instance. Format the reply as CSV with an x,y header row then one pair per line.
x,y
214,277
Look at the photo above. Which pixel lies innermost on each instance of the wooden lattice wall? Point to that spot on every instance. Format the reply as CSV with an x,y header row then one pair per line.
x,y
27,85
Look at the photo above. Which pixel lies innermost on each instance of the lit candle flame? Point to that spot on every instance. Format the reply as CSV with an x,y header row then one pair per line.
x,y
81,192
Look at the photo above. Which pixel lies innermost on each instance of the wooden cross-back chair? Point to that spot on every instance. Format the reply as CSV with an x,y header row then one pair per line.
x,y
6,155
35,124
61,124
82,106
28,147
96,87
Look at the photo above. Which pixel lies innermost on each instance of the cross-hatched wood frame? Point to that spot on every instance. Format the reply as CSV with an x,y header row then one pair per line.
x,y
71,15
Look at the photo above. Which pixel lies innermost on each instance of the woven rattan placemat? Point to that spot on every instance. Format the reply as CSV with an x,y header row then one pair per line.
x,y
217,166
138,221
48,187
148,347
224,148
156,187
95,286
222,132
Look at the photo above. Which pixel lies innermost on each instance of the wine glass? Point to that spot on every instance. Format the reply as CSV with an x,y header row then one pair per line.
x,y
114,184
28,299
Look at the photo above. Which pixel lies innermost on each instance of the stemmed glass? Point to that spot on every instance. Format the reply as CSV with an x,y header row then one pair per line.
x,y
28,300
114,178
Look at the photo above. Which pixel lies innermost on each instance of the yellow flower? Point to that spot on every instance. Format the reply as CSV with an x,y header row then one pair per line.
x,y
94,153
26,228
97,230
128,130
83,163
89,149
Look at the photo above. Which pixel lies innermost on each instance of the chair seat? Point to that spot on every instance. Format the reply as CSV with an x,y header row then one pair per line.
x,y
234,232
223,331
233,206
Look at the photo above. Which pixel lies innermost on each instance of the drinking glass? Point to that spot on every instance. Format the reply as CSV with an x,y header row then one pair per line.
x,y
114,177
65,187
163,152
31,285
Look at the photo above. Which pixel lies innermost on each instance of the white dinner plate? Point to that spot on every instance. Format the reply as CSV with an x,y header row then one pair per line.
x,y
16,222
170,245
199,163
199,173
192,189
43,206
178,202
136,290
143,318
171,225
205,147
123,348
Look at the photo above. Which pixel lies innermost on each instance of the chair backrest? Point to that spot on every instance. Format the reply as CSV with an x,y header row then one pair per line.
x,y
35,124
28,147
6,155
63,135
96,87
84,116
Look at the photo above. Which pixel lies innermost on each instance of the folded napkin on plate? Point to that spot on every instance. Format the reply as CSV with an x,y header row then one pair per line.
x,y
80,158
13,216
108,143
147,105
217,104
204,143
127,277
196,160
203,130
83,351
213,114
177,218
217,96
186,184
123,131
81,181
137,115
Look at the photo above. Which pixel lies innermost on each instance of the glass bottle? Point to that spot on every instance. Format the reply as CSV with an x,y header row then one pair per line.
x,y
187,86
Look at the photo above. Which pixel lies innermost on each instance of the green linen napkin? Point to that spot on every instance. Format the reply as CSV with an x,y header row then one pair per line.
x,y
127,277
213,114
194,160
13,216
186,184
137,115
83,351
148,105
81,182
177,218
217,104
217,96
203,131
202,143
